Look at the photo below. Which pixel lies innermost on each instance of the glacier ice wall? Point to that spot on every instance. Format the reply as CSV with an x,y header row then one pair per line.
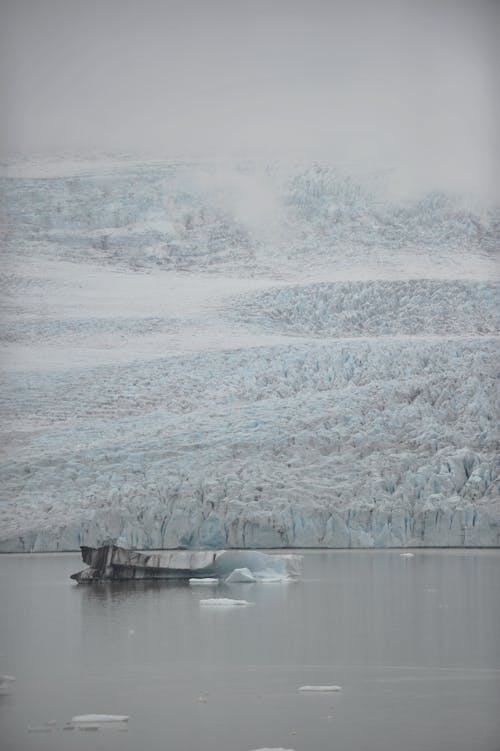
x,y
360,411
319,445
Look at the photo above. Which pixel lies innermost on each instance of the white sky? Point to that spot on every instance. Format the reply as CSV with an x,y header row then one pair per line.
x,y
412,84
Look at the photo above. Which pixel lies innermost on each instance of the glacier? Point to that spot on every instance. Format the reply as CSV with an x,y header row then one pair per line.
x,y
265,356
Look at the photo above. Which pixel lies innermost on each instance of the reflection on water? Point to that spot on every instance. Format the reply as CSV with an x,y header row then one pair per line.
x,y
414,643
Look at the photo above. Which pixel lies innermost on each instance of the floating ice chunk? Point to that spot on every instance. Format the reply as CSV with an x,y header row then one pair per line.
x,y
270,577
39,728
207,581
274,749
240,576
113,562
407,555
320,688
223,602
5,684
95,718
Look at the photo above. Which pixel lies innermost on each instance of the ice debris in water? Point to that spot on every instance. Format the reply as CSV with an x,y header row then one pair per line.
x,y
110,561
96,718
5,684
407,555
39,728
207,581
320,688
244,575
223,602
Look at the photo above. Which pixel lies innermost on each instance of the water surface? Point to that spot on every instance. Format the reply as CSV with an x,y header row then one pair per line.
x,y
414,643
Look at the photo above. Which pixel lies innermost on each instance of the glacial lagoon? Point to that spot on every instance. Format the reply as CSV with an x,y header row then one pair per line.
x,y
412,642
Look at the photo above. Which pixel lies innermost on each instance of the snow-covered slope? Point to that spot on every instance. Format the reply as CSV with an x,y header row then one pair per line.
x,y
293,361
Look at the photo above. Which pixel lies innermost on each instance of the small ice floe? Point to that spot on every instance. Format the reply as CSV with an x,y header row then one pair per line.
x,y
223,602
83,719
274,749
244,575
45,728
208,581
320,689
407,555
6,682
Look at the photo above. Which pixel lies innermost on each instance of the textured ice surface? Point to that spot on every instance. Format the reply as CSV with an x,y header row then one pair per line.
x,y
240,576
183,368
376,308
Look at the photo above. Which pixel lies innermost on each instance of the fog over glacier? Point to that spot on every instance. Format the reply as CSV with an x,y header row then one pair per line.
x,y
249,274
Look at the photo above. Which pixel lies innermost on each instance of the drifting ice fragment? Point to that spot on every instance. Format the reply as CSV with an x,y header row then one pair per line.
x,y
93,718
320,688
5,684
407,555
39,729
274,749
222,602
207,581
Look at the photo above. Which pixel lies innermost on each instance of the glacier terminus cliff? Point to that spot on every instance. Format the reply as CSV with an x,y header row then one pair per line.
x,y
198,355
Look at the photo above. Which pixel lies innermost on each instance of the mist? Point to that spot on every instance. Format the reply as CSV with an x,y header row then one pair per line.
x,y
407,85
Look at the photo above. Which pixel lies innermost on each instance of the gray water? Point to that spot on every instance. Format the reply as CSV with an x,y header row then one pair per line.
x,y
414,643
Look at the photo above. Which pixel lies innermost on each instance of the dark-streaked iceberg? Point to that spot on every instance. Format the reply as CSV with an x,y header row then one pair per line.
x,y
111,562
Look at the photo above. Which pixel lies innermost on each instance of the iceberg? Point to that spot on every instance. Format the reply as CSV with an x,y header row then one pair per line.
x,y
111,562
320,689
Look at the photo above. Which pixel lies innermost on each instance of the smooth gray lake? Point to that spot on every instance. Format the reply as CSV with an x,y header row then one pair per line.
x,y
414,643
